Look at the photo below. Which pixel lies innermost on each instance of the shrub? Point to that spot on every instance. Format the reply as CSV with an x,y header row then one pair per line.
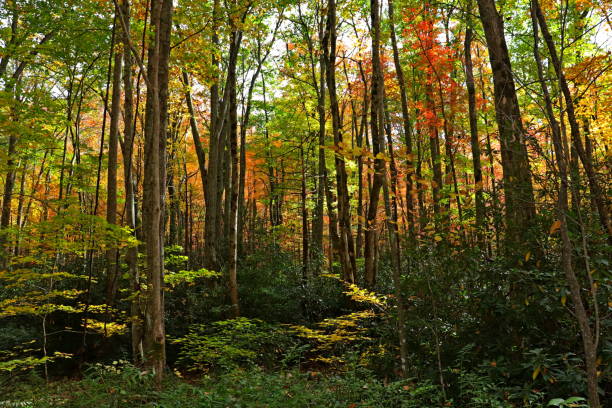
x,y
233,343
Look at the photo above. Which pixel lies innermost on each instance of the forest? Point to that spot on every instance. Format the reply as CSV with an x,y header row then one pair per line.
x,y
306,203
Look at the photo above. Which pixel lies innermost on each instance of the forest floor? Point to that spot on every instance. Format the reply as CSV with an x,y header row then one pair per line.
x,y
105,386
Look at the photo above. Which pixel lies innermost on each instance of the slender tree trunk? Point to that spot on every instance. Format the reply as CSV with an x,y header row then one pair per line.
x,y
7,197
436,160
491,169
474,138
335,246
363,130
131,257
347,248
399,72
34,189
589,337
214,165
195,133
236,38
304,198
396,263
376,122
587,163
111,178
317,222
20,206
392,196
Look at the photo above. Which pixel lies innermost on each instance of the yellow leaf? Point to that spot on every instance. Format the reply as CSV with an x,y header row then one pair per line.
x,y
437,238
527,256
563,300
555,226
536,372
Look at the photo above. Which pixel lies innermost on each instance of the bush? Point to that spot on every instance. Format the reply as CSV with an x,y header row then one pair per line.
x,y
233,343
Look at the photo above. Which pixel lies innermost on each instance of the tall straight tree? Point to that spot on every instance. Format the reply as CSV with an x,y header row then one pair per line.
x,y
474,138
518,189
235,38
214,162
131,257
346,245
111,178
376,122
399,73
155,118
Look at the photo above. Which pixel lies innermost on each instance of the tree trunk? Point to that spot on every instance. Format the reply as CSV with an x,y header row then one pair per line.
x,y
214,165
474,139
376,122
304,198
399,72
587,163
154,344
7,197
236,38
589,337
347,248
131,258
436,160
195,133
396,263
111,178
317,222
520,206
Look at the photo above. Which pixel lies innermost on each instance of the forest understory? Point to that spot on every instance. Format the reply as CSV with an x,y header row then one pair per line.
x,y
305,203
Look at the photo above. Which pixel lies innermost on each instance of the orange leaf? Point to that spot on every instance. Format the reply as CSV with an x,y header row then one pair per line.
x,y
555,226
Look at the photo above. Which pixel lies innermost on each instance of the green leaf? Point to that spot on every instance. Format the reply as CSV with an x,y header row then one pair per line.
x,y
575,399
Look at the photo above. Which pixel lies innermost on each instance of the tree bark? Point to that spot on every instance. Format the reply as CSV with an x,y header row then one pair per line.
x,y
347,247
317,222
474,138
131,257
214,165
195,133
111,175
236,38
376,123
518,189
304,198
154,341
7,197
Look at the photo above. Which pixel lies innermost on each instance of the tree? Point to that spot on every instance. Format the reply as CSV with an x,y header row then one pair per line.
x,y
376,123
518,189
474,137
153,200
345,241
